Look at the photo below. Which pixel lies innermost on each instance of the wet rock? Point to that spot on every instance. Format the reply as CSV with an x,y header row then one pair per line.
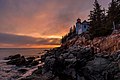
x,y
34,63
30,58
17,61
38,71
13,57
23,70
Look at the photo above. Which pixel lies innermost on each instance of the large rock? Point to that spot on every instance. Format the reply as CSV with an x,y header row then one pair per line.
x,y
30,58
98,64
13,57
34,63
17,61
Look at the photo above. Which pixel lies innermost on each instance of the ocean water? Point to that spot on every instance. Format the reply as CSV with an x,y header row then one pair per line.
x,y
5,52
10,72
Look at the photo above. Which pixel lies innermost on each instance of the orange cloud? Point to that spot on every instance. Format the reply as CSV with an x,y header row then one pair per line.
x,y
22,41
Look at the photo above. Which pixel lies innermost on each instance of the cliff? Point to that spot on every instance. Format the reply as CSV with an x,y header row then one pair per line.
x,y
109,43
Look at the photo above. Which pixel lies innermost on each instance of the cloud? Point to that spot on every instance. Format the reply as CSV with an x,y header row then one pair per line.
x,y
13,39
50,16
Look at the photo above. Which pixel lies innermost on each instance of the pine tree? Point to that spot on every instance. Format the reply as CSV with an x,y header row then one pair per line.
x,y
97,16
71,30
113,17
112,12
118,8
74,29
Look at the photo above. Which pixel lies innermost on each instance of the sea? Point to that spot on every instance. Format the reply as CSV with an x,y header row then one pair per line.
x,y
5,52
10,72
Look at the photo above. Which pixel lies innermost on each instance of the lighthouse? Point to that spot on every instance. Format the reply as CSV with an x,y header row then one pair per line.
x,y
81,26
78,26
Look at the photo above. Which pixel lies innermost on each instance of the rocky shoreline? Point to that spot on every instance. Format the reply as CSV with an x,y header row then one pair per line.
x,y
19,60
77,64
77,59
16,67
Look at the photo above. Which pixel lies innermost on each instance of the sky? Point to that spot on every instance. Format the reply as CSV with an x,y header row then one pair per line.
x,y
40,23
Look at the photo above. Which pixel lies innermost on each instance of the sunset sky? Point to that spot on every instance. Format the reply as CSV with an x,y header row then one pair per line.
x,y
40,23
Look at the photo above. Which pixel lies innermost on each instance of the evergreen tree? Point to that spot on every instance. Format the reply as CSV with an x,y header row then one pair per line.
x,y
118,12
113,17
74,29
70,35
97,19
64,39
71,30
113,12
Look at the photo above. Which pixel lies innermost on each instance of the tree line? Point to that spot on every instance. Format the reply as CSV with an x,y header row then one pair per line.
x,y
70,35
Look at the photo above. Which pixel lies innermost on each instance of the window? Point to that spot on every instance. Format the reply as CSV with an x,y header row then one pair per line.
x,y
84,26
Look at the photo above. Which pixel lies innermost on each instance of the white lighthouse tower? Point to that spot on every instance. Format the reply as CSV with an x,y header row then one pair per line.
x,y
78,26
